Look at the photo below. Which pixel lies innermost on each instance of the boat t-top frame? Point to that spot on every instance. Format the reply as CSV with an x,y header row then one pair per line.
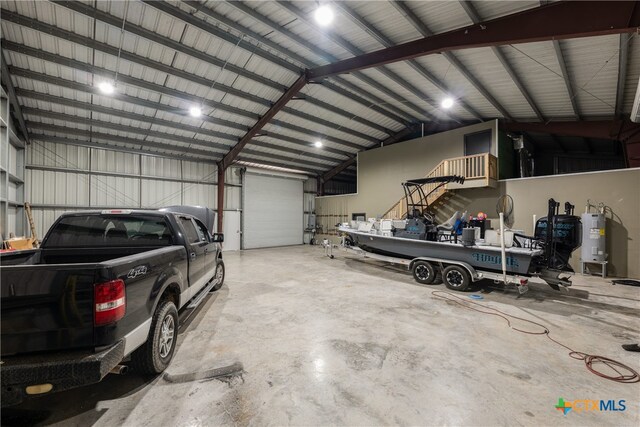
x,y
418,208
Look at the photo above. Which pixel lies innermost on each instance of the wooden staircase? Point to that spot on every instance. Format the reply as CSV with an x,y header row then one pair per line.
x,y
480,170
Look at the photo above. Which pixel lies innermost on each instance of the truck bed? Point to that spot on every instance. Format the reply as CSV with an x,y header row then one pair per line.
x,y
48,295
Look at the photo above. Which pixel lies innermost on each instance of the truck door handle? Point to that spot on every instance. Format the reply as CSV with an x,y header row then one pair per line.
x,y
193,255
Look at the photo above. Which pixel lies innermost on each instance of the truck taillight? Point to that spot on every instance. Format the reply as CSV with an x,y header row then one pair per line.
x,y
110,302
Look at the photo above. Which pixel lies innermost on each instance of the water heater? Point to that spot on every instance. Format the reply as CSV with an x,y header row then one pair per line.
x,y
593,237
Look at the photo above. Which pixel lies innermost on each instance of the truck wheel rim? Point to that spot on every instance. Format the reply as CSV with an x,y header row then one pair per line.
x,y
422,272
454,278
166,335
219,274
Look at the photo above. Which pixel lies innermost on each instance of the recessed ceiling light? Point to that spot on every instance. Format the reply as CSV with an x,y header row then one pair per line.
x,y
106,88
323,16
195,111
447,103
318,144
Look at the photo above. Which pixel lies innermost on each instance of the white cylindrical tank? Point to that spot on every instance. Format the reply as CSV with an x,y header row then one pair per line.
x,y
593,237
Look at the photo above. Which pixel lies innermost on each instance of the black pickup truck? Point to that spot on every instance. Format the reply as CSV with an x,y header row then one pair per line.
x,y
104,286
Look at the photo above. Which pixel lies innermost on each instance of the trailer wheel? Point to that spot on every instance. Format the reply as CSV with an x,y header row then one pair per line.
x,y
219,276
456,278
424,272
154,356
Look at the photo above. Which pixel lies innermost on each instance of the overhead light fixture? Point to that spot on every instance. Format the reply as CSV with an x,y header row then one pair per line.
x,y
447,103
106,88
318,144
323,15
195,111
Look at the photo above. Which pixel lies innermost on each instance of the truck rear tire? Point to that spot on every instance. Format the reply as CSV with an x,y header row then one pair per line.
x,y
155,355
219,276
456,278
423,272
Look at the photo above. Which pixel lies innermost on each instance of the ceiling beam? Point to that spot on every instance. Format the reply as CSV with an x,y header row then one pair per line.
x,y
91,136
13,99
343,43
375,103
623,58
277,106
391,140
557,47
561,20
66,35
338,169
152,119
154,134
215,30
160,89
617,130
190,19
417,23
102,146
387,42
475,17
115,21
187,50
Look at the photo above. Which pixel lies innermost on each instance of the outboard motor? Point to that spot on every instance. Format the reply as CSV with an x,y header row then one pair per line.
x,y
560,236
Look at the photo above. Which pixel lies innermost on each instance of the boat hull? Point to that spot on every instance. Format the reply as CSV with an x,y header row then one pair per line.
x,y
489,258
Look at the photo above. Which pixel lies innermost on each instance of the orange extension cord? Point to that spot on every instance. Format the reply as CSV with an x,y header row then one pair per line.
x,y
625,374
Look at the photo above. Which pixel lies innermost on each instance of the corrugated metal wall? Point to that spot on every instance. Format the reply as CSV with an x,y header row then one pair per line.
x,y
11,175
62,178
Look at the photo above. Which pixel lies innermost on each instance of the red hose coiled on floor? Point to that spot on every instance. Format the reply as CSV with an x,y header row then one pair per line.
x,y
625,374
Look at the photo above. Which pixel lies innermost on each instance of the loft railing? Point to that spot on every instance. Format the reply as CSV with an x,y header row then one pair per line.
x,y
479,170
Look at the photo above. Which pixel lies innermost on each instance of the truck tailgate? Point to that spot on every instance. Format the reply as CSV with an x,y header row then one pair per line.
x,y
47,307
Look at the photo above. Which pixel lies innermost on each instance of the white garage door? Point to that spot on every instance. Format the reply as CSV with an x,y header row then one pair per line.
x,y
272,209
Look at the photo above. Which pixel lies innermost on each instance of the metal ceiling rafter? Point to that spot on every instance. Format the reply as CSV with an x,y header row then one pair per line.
x,y
169,70
176,153
80,143
231,156
387,42
166,146
124,98
417,23
314,49
617,130
569,85
11,93
560,20
277,106
157,134
160,89
473,14
623,56
216,134
567,79
177,46
357,52
371,103
342,166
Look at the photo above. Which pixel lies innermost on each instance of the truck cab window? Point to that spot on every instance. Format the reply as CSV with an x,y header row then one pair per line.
x,y
202,231
191,235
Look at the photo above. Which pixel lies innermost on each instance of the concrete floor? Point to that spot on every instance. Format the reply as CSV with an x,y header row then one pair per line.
x,y
348,342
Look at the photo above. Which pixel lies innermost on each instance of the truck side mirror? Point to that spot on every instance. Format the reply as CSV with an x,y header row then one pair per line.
x,y
218,237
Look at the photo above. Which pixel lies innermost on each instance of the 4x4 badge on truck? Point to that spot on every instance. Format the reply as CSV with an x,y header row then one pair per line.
x,y
137,271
